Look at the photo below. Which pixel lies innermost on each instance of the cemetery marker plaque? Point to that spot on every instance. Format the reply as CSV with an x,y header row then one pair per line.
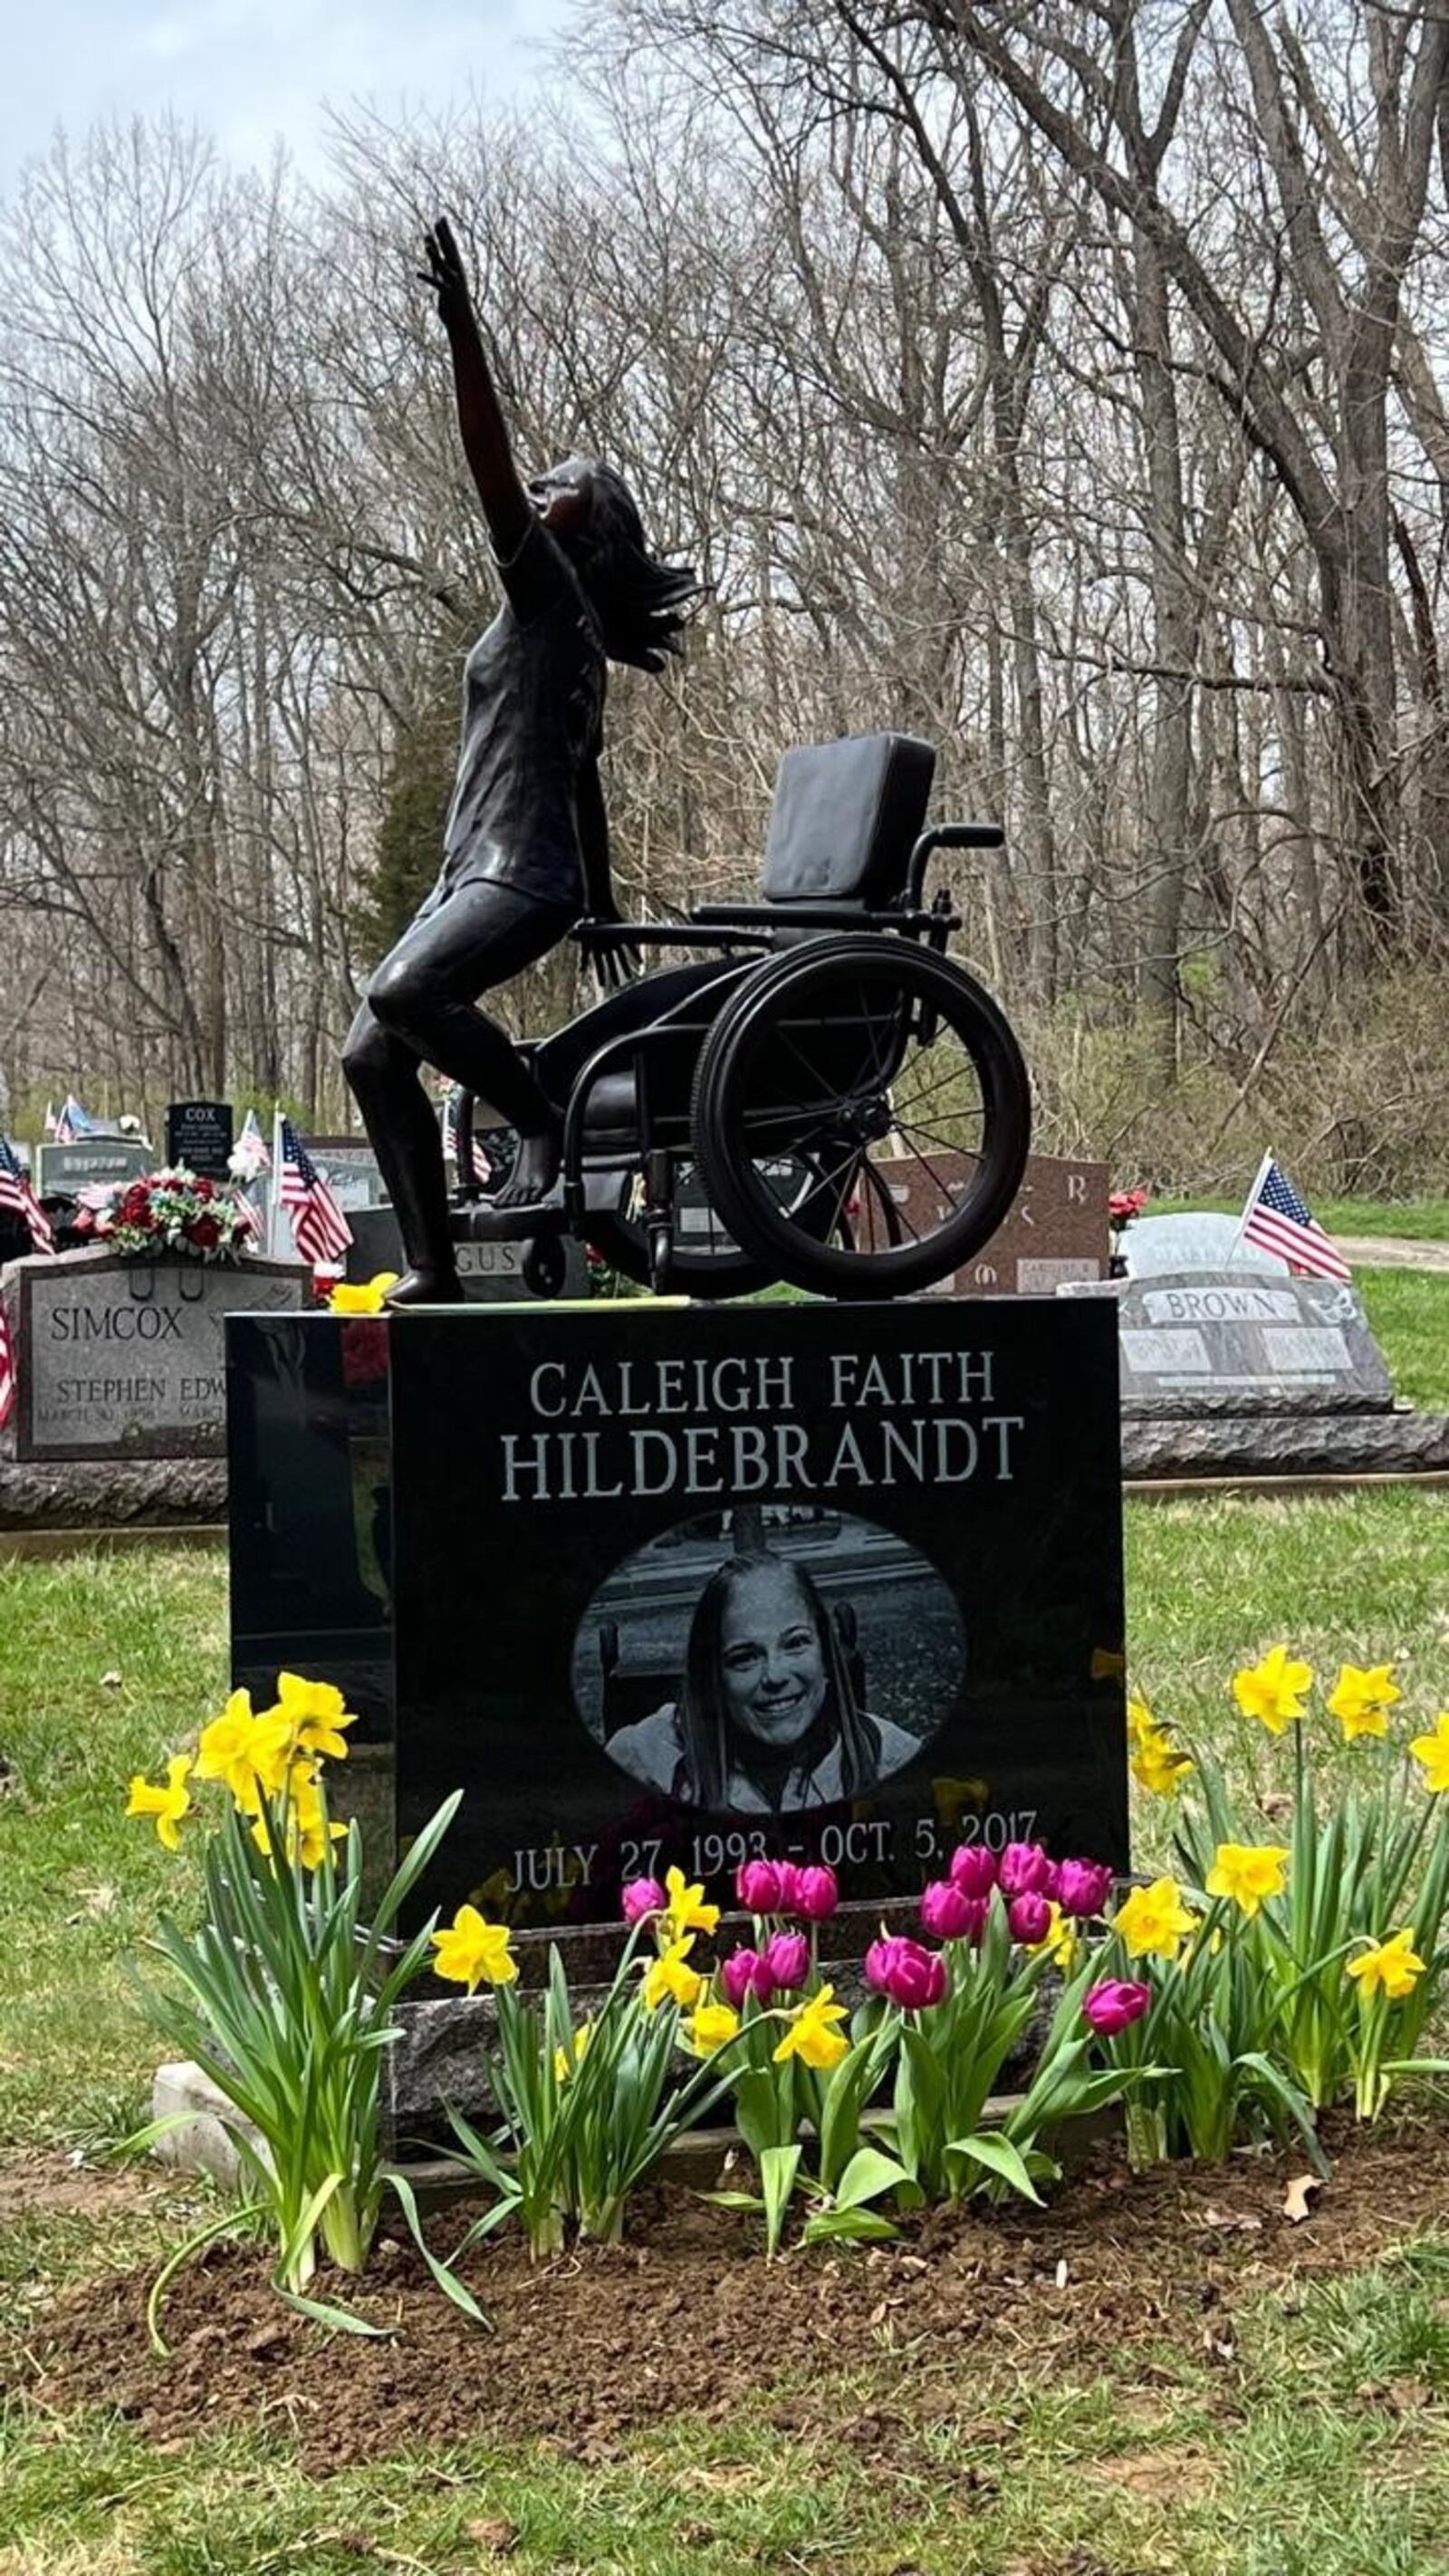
x,y
199,1133
123,1359
1236,1343
1056,1230
930,1497
91,1162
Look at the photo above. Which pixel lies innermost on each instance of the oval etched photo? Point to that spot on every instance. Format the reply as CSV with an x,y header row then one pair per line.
x,y
768,1658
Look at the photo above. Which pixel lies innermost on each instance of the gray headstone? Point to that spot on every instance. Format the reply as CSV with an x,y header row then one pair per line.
x,y
1231,1343
349,1167
92,1162
1195,1240
491,1272
124,1358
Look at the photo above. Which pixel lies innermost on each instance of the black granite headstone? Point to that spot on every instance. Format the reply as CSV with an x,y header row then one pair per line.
x,y
199,1133
926,1642
310,1505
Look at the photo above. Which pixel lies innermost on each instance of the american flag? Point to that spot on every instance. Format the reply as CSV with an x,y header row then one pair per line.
x,y
16,1193
74,1122
319,1228
7,1369
1282,1222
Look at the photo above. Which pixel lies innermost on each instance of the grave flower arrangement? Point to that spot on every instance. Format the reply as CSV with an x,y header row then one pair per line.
x,y
1283,1976
174,1211
281,1994
588,2106
937,2029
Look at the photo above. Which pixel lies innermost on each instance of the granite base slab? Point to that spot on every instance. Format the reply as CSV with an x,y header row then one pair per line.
x,y
113,1493
1331,1444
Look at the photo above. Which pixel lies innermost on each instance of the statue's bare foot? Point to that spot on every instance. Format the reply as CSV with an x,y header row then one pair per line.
x,y
426,1288
534,1173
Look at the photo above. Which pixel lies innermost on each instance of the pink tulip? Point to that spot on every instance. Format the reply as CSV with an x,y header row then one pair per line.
x,y
787,1960
1026,1871
746,1972
905,1972
1083,1887
1029,1917
973,1869
1114,2005
816,1893
949,1914
642,1896
759,1885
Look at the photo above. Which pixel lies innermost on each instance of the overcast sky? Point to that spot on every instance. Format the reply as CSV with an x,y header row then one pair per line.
x,y
251,70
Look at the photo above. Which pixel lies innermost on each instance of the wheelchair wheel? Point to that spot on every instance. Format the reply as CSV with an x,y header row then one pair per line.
x,y
896,1077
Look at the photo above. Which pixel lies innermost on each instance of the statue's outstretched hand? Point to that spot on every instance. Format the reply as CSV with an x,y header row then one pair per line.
x,y
444,273
614,960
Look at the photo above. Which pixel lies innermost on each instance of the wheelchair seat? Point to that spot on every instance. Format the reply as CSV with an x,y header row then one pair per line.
x,y
845,818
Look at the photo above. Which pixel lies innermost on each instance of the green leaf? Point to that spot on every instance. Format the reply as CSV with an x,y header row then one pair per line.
x,y
867,2175
778,2169
1000,2157
859,2224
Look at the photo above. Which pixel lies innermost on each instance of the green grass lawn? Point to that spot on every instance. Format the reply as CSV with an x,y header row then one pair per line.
x,y
1416,1220
1319,2445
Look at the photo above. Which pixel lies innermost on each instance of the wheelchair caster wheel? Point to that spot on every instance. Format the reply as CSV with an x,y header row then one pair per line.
x,y
543,1266
661,1259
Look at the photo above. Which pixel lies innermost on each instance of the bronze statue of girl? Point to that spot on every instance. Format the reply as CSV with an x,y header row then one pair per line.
x,y
526,845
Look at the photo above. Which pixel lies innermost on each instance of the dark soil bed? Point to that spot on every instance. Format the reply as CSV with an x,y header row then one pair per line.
x,y
687,2317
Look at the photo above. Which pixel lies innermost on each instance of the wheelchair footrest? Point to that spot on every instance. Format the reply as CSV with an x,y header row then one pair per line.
x,y
481,1222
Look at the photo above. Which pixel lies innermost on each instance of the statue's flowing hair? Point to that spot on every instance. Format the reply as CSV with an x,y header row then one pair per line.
x,y
711,1741
640,603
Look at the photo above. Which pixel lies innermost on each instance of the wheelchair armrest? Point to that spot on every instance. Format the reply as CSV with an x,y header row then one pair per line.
x,y
948,836
637,934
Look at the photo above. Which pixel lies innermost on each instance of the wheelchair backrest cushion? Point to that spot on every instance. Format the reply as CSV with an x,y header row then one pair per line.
x,y
844,819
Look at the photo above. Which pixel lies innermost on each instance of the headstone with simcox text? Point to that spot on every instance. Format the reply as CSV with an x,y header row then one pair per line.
x,y
1056,1231
121,1358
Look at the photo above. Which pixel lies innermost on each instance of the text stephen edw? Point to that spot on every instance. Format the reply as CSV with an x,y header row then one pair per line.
x,y
739,1425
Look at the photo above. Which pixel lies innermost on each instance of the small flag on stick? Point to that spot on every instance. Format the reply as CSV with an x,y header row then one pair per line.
x,y
17,1194
1278,1220
320,1231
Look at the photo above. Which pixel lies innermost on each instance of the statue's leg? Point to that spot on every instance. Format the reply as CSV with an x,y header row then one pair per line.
x,y
481,934
383,1072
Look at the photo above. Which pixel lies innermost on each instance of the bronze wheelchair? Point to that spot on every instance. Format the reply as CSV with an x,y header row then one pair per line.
x,y
828,1099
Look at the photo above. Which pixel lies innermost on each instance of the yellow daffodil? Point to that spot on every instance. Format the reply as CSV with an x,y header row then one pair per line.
x,y
365,1297
1154,1921
1158,1764
1392,1965
1140,1720
1361,1699
1247,1872
711,2026
1059,1941
248,1751
473,1953
563,2064
1433,1752
671,1976
167,1801
317,1712
1272,1691
686,1910
811,2036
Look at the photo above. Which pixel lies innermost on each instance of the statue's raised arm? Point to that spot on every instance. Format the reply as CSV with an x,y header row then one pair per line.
x,y
486,442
